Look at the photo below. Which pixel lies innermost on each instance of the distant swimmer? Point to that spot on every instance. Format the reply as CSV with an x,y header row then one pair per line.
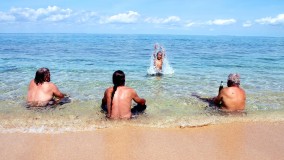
x,y
158,61
117,100
42,92
159,64
158,55
233,97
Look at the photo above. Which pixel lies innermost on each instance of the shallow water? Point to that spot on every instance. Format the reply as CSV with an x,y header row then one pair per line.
x,y
81,65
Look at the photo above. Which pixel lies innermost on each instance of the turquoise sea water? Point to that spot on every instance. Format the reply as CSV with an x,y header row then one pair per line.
x,y
81,65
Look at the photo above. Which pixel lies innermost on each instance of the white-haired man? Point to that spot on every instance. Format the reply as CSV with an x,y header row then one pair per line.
x,y
233,97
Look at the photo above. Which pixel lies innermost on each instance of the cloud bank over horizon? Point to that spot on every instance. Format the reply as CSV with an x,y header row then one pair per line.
x,y
67,16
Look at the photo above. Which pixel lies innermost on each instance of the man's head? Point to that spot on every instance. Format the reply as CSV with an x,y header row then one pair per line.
x,y
42,75
233,80
159,55
118,78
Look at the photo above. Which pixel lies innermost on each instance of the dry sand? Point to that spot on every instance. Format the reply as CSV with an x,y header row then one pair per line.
x,y
227,141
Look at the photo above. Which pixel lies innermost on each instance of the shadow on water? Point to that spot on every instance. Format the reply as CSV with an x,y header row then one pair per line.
x,y
207,100
213,109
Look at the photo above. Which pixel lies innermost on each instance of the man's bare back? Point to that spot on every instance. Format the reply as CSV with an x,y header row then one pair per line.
x,y
41,91
42,94
122,101
119,107
232,98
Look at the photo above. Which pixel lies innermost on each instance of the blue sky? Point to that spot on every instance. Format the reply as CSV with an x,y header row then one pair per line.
x,y
187,17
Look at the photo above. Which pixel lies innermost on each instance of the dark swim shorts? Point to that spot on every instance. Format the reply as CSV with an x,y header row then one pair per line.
x,y
64,100
138,109
104,108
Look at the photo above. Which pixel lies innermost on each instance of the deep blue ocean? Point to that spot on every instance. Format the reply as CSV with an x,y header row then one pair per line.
x,y
81,65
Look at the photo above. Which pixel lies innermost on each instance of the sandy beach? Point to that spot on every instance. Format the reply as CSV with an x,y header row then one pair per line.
x,y
227,141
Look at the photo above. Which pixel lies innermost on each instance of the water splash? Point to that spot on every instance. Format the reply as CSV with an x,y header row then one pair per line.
x,y
166,68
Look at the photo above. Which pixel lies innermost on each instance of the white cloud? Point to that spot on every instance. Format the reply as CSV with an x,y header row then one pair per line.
x,y
51,13
210,22
6,17
57,14
84,17
190,24
279,19
57,17
129,17
221,22
23,14
170,19
247,24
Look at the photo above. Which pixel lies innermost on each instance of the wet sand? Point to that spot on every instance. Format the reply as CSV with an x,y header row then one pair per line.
x,y
256,140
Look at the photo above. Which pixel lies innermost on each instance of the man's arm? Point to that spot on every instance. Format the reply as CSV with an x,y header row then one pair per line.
x,y
137,99
106,101
217,100
154,61
56,91
154,55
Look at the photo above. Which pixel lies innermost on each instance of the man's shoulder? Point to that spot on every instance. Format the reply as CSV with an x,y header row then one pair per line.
x,y
237,88
44,84
128,88
109,89
49,85
131,91
229,90
32,81
226,91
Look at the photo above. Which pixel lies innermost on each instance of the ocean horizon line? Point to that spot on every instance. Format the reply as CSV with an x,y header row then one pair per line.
x,y
146,34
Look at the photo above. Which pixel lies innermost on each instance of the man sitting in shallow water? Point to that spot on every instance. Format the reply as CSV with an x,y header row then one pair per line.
x,y
41,91
233,97
117,100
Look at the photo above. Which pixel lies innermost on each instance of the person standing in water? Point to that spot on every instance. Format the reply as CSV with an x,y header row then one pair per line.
x,y
117,100
233,97
159,64
41,91
158,61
